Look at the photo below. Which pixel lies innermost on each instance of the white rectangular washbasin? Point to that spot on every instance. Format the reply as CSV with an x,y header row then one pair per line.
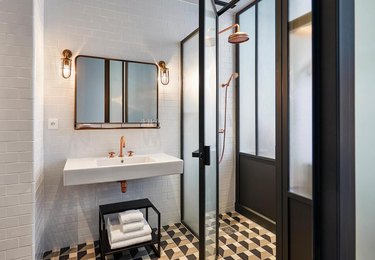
x,y
123,161
99,170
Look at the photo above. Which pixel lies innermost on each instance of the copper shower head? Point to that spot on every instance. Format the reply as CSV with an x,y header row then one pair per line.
x,y
237,36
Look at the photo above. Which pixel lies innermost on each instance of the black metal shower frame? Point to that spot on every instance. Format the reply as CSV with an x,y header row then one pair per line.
x,y
333,116
202,184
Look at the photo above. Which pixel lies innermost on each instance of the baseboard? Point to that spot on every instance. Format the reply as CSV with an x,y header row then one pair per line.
x,y
257,218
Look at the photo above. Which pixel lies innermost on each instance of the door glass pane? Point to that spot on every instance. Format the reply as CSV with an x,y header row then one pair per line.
x,y
115,91
210,128
142,92
90,90
300,109
365,128
266,78
190,73
247,85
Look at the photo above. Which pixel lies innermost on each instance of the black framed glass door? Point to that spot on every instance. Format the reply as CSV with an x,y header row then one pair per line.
x,y
208,117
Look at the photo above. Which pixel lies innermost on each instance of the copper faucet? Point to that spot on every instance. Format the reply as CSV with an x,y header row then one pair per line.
x,y
122,145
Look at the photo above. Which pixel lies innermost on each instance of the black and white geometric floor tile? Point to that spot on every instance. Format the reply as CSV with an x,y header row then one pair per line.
x,y
239,238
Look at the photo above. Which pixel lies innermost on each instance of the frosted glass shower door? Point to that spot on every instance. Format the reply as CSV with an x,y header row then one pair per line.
x,y
190,123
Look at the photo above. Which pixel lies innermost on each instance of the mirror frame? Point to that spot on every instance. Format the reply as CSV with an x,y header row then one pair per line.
x,y
108,125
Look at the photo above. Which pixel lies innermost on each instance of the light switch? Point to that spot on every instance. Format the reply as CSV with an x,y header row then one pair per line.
x,y
53,123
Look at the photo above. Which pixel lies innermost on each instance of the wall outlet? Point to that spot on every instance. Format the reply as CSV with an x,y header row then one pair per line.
x,y
53,123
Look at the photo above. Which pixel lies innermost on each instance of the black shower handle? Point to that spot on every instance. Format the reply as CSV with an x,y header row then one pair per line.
x,y
205,155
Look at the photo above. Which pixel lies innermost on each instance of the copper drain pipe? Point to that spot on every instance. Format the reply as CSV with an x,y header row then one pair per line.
x,y
124,185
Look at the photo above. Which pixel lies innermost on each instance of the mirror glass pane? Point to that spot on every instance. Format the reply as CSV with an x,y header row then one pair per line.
x,y
115,91
90,90
142,92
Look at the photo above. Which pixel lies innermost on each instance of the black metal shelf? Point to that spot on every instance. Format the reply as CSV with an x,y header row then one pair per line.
x,y
105,247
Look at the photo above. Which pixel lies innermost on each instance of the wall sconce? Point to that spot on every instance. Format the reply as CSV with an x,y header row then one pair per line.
x,y
66,64
164,73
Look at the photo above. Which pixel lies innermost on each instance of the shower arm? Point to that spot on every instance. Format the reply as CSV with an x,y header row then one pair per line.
x,y
230,27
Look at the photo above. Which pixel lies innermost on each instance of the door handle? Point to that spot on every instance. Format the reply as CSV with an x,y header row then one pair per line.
x,y
196,154
205,155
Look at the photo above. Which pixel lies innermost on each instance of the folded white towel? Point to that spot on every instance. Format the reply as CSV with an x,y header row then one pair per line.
x,y
115,233
126,228
130,242
130,216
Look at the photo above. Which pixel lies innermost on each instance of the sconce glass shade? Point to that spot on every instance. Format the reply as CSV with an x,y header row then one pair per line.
x,y
164,77
66,64
164,73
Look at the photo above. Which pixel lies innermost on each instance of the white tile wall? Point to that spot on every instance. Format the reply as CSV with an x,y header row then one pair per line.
x,y
16,130
226,68
38,119
134,29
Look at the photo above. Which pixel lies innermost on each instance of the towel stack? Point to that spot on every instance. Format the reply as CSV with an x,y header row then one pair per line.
x,y
127,228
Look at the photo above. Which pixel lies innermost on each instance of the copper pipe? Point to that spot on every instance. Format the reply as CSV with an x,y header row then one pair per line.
x,y
122,145
124,185
230,27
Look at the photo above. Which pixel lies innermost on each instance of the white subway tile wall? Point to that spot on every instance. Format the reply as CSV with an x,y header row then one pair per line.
x,y
17,196
37,212
38,118
227,181
136,30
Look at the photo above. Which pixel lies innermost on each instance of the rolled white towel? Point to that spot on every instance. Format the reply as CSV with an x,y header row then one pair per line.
x,y
130,242
130,216
127,228
115,233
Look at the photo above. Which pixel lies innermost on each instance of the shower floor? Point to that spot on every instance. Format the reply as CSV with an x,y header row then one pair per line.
x,y
239,238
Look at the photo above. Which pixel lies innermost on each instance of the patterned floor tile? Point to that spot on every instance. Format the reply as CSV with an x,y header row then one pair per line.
x,y
239,238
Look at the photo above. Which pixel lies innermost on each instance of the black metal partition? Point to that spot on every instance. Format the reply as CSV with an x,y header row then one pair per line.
x,y
266,190
255,171
334,149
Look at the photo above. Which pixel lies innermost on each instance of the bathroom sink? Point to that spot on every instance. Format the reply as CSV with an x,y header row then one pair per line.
x,y
99,170
123,161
